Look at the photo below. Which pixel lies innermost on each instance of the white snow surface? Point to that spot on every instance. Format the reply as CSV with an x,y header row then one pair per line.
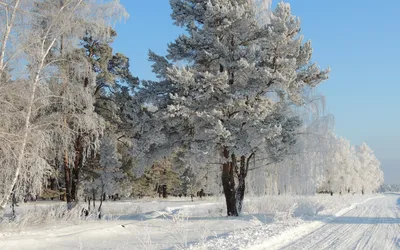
x,y
342,230
371,225
272,222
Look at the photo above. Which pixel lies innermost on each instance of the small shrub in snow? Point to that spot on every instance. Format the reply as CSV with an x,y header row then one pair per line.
x,y
307,208
178,230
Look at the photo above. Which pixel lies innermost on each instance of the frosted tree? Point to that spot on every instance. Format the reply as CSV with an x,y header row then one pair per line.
x,y
107,177
298,172
113,85
110,175
80,126
111,71
319,161
369,172
226,103
346,168
45,41
40,44
338,168
344,157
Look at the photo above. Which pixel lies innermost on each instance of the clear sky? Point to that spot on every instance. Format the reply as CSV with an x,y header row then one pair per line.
x,y
359,40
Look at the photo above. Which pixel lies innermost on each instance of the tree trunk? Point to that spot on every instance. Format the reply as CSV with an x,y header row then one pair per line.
x,y
14,204
228,183
101,201
67,174
8,28
94,199
76,170
241,185
52,183
164,191
74,181
75,184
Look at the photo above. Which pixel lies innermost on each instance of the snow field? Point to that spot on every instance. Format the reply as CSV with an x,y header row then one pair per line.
x,y
165,224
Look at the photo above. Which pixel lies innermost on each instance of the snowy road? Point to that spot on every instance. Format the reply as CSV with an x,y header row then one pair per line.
x,y
372,225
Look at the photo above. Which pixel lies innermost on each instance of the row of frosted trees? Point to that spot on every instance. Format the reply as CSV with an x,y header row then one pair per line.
x,y
344,169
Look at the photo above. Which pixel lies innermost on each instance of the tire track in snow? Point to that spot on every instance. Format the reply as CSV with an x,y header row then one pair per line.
x,y
372,225
331,239
293,234
381,225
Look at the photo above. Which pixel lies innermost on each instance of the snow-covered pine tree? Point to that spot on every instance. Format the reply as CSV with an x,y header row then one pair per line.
x,y
113,81
159,179
222,102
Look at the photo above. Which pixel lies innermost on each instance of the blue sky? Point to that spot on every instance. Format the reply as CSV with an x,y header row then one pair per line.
x,y
359,40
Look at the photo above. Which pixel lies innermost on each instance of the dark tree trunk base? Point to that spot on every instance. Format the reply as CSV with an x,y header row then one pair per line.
x,y
234,196
240,194
228,183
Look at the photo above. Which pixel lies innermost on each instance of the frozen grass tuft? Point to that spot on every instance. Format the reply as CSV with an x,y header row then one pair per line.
x,y
39,216
178,230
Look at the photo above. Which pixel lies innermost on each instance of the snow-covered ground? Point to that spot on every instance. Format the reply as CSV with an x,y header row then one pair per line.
x,y
267,223
373,224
